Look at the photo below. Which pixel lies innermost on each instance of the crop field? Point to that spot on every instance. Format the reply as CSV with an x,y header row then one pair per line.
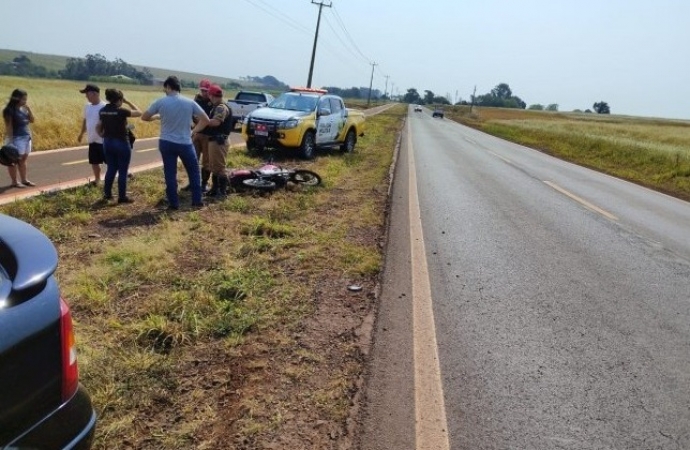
x,y
58,107
648,151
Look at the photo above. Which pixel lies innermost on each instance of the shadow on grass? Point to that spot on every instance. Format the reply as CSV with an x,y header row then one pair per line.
x,y
142,219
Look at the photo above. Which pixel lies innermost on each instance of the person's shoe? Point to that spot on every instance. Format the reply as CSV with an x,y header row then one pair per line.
x,y
172,208
93,183
28,183
125,200
107,198
197,205
18,185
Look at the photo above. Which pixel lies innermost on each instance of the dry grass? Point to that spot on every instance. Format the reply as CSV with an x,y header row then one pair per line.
x,y
230,326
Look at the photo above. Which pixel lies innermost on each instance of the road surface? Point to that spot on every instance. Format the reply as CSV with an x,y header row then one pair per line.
x,y
527,303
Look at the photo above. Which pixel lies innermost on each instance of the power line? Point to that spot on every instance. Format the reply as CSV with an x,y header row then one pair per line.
x,y
347,33
279,15
349,49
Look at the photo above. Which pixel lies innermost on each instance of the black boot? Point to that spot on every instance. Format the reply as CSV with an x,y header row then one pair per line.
x,y
223,183
205,175
214,186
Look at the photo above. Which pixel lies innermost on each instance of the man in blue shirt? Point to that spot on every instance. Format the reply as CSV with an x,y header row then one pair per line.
x,y
176,114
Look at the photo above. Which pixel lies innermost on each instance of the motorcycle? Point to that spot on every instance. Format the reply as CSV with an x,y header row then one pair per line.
x,y
270,177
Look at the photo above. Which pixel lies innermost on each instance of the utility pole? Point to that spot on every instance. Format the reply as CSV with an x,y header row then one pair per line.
x,y
385,91
472,102
371,82
316,37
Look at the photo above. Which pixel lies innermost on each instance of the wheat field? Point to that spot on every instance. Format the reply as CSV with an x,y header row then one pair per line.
x,y
58,107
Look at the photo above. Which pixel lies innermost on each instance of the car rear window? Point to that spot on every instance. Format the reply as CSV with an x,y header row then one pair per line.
x,y
251,96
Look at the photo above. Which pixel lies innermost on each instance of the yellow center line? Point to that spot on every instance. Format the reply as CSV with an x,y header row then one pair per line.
x,y
582,201
431,426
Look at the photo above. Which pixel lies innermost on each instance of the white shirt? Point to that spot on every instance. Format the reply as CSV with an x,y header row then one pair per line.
x,y
91,116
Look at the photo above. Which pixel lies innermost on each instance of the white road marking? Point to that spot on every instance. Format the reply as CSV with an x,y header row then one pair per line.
x,y
431,426
71,163
501,157
582,201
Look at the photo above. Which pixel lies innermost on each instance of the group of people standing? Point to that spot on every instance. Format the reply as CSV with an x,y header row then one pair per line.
x,y
193,131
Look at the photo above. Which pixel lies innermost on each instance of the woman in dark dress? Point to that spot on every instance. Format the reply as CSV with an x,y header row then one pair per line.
x,y
17,116
112,126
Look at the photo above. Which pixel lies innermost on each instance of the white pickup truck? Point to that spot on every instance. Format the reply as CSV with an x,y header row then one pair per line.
x,y
246,102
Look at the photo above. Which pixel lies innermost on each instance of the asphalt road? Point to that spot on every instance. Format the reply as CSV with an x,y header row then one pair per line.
x,y
560,302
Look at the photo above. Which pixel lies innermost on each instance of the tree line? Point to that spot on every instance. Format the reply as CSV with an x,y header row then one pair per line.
x,y
500,96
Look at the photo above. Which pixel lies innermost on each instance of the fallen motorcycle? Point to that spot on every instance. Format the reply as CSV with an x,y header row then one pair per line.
x,y
270,177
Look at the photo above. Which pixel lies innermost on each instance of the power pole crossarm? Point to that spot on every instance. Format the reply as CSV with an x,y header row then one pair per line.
x,y
316,37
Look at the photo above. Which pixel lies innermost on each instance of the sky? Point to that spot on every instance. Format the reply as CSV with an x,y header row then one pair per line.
x,y
632,54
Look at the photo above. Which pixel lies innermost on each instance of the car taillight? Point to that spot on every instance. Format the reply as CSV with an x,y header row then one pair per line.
x,y
70,370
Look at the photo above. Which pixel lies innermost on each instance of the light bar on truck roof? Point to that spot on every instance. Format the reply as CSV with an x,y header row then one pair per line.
x,y
312,90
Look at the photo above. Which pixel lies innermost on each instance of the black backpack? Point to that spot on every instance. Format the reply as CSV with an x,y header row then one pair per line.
x,y
9,155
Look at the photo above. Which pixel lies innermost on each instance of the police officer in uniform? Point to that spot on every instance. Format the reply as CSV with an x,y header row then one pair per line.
x,y
200,140
218,131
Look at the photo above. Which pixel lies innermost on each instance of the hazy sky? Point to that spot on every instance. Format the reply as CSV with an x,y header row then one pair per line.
x,y
630,53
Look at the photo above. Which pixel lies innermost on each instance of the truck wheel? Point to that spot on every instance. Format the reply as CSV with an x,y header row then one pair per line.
x,y
306,149
350,141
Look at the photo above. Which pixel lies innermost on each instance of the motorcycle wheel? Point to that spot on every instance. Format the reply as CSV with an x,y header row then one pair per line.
x,y
305,177
260,184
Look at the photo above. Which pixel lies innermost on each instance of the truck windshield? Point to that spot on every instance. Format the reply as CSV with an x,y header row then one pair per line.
x,y
295,102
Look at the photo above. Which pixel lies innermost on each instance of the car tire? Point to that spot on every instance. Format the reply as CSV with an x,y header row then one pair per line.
x,y
350,141
308,146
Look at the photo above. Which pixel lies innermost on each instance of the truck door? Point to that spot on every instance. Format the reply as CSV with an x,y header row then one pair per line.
x,y
324,121
339,119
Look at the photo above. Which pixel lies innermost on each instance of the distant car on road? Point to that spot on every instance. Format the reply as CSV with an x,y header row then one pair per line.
x,y
42,404
417,108
438,112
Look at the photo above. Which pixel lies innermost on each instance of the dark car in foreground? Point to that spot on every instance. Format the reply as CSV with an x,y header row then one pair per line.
x,y
42,404
438,112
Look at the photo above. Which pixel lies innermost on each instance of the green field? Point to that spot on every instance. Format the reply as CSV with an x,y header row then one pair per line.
x,y
56,62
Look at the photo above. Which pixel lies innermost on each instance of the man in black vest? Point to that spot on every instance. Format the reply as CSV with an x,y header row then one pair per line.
x,y
218,131
200,140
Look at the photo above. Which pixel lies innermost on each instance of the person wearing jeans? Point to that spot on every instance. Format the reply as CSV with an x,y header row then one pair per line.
x,y
176,114
112,127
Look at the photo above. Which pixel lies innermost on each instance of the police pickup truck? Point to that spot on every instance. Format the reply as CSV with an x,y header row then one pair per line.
x,y
303,119
246,102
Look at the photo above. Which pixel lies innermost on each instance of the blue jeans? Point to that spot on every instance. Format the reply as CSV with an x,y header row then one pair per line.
x,y
170,151
118,154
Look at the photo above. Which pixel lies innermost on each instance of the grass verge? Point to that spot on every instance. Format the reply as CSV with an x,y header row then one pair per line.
x,y
651,152
229,326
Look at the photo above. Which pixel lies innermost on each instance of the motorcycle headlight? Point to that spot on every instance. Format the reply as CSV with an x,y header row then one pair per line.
x,y
288,124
